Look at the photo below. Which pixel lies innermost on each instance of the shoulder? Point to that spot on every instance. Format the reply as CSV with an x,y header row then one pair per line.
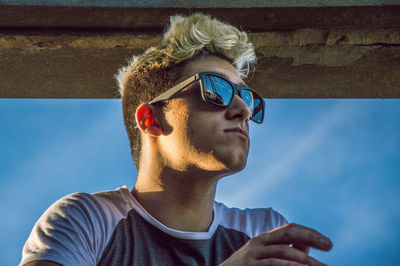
x,y
76,227
252,222
92,207
88,208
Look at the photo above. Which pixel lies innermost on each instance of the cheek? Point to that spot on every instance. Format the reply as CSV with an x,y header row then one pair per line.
x,y
204,126
197,133
197,123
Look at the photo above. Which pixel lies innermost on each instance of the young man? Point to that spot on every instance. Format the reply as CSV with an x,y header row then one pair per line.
x,y
187,112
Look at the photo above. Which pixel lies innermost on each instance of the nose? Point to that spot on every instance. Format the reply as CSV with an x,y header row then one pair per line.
x,y
238,109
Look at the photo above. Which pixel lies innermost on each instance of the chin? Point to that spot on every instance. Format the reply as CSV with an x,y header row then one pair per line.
x,y
236,163
238,159
239,166
230,160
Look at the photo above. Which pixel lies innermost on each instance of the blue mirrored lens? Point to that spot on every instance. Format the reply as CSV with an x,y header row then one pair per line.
x,y
217,90
254,102
258,110
247,97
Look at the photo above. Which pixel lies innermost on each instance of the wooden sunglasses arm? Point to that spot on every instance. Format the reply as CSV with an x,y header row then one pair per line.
x,y
174,90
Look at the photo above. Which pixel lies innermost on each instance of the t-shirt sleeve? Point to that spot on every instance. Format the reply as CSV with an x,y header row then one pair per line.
x,y
64,233
264,220
252,222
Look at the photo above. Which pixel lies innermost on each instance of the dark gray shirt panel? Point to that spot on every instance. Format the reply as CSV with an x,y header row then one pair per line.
x,y
137,242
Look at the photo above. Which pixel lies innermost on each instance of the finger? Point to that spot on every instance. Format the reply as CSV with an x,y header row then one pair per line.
x,y
296,235
302,248
285,252
277,262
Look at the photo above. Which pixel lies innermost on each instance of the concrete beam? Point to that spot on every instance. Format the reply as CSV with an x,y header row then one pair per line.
x,y
139,19
200,4
307,52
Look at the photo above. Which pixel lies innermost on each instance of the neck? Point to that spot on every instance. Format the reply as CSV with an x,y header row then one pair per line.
x,y
167,194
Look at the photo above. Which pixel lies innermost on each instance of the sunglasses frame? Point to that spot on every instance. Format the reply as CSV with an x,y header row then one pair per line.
x,y
237,88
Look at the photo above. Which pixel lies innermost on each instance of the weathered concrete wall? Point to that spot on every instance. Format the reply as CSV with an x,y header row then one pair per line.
x,y
139,20
318,53
201,4
337,63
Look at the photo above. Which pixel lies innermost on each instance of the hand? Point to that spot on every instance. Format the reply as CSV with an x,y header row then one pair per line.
x,y
283,246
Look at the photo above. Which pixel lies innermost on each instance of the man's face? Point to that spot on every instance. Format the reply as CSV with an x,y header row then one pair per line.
x,y
202,135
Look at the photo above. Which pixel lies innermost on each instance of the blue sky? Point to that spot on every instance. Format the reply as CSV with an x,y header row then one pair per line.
x,y
333,165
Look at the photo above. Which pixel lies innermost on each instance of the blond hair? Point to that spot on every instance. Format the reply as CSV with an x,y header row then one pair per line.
x,y
156,70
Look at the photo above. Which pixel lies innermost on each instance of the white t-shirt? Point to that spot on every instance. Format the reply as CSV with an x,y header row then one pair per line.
x,y
112,228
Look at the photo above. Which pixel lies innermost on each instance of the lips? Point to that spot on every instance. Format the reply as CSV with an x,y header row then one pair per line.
x,y
239,131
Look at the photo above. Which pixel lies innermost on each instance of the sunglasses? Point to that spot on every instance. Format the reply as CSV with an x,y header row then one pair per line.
x,y
218,90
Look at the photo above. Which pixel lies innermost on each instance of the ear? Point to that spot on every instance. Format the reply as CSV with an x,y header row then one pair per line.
x,y
147,121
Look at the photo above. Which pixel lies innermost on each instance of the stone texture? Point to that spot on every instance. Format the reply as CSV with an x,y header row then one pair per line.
x,y
324,47
298,64
201,4
303,52
134,19
61,73
374,75
40,42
